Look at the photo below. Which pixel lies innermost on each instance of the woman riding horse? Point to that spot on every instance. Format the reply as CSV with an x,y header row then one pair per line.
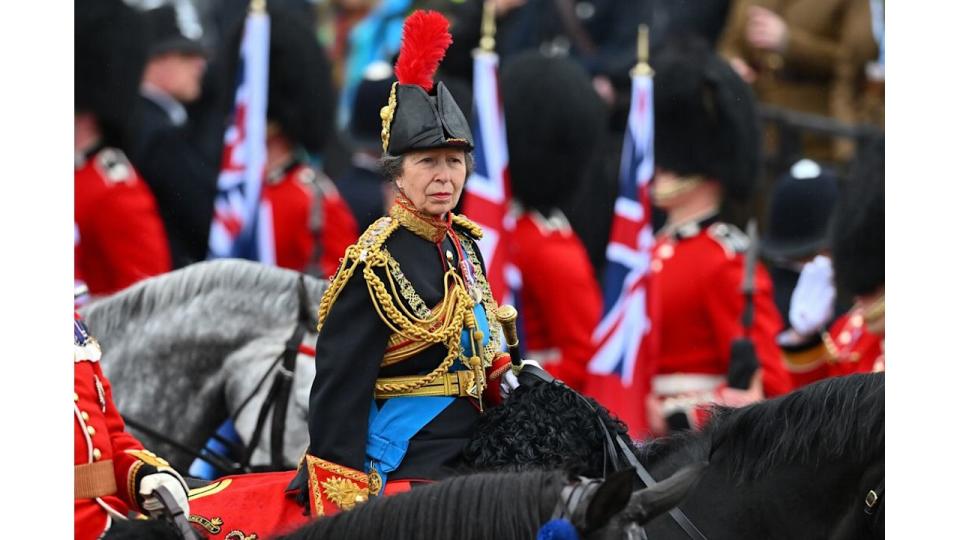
x,y
408,342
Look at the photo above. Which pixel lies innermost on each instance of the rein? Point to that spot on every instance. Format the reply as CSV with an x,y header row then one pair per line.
x,y
614,446
277,399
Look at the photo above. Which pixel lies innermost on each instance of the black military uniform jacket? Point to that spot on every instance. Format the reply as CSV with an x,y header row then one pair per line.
x,y
356,349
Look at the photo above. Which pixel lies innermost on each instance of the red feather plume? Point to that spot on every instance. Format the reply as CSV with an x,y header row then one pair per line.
x,y
424,42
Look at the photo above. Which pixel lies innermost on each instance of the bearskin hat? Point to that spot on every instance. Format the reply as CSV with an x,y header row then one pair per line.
x,y
554,119
420,114
301,95
372,92
798,217
858,227
705,118
109,56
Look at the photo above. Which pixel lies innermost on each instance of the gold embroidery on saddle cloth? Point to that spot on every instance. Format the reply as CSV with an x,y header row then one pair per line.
x,y
237,534
212,526
343,493
210,489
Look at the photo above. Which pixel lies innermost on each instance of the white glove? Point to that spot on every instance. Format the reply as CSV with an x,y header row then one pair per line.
x,y
509,382
811,304
151,482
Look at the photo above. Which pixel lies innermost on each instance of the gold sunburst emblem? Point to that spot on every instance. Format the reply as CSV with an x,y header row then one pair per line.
x,y
343,492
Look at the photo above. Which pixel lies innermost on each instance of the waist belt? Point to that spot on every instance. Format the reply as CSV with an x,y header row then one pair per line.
x,y
94,480
455,384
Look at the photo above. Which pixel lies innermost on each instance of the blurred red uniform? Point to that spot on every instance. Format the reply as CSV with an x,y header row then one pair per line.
x,y
698,271
560,301
108,461
848,347
119,238
312,224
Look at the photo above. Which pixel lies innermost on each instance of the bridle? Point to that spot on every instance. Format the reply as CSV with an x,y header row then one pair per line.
x,y
277,399
616,451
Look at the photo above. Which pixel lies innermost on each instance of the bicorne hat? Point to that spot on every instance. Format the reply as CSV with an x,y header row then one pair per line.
x,y
420,114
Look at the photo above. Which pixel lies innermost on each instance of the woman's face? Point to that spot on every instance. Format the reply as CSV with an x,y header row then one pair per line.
x,y
433,179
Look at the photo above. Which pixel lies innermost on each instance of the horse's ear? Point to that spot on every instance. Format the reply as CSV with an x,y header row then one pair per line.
x,y
649,503
610,499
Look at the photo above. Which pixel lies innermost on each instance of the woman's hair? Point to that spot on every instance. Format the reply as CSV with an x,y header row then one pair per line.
x,y
392,166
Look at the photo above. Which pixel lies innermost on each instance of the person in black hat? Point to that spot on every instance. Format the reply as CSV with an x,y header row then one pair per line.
x,y
167,151
854,342
409,312
312,225
706,152
796,245
119,238
551,138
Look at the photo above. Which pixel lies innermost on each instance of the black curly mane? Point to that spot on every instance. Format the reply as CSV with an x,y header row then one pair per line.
x,y
545,426
837,419
505,506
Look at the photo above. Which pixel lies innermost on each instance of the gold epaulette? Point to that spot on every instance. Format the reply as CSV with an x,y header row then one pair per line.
x,y
367,250
472,228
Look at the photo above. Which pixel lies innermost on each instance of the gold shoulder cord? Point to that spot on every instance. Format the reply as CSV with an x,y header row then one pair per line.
x,y
452,310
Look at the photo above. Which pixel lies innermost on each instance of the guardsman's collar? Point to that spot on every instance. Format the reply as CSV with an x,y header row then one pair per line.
x,y
430,228
691,228
280,172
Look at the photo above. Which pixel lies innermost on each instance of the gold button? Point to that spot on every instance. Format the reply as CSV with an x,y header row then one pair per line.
x,y
76,397
656,265
91,431
665,251
845,338
856,320
85,416
96,453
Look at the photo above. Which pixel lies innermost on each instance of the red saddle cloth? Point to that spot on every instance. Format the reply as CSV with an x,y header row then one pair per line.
x,y
254,504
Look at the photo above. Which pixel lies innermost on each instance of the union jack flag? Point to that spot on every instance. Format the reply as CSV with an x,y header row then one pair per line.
x,y
487,198
624,348
241,225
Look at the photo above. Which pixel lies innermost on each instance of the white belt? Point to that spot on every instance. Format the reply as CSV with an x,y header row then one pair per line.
x,y
685,383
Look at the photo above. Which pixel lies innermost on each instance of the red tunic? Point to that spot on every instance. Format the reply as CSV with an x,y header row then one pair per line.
x,y
849,347
119,238
560,301
698,273
99,435
312,224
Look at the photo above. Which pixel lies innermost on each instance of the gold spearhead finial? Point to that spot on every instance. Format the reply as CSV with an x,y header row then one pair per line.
x,y
643,53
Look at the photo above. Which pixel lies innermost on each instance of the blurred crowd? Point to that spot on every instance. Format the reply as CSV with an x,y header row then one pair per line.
x,y
155,87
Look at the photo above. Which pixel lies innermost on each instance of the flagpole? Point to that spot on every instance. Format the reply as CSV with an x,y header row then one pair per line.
x,y
488,26
642,69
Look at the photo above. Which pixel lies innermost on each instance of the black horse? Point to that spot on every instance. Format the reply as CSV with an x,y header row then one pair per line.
x,y
809,464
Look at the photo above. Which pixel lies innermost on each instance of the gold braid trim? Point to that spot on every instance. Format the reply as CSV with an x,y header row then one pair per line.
x,y
489,304
475,230
451,311
386,116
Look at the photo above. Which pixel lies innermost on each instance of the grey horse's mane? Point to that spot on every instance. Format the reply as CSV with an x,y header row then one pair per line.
x,y
265,287
179,348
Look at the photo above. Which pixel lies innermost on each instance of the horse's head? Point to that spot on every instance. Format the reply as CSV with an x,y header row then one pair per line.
x,y
611,509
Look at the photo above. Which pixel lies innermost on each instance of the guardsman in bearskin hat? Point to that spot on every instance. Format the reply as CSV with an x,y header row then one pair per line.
x,y
553,119
119,238
707,150
854,342
409,347
112,472
312,225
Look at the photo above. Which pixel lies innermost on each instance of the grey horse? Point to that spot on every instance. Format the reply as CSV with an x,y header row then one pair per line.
x,y
184,349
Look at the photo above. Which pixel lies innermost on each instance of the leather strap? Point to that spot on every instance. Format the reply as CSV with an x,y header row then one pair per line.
x,y
92,480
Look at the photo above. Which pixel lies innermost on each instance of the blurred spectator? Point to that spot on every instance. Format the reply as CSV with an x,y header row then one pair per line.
x,y
119,237
805,55
553,120
703,18
167,152
363,187
312,225
855,341
706,142
798,219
